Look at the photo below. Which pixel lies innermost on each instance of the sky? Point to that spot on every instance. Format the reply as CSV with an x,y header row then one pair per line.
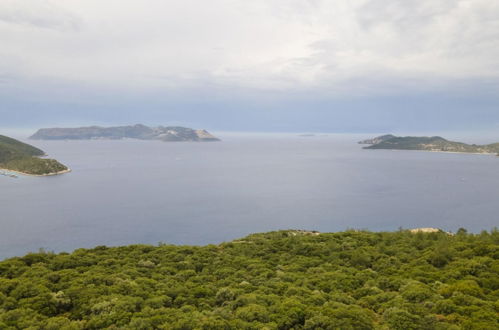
x,y
260,65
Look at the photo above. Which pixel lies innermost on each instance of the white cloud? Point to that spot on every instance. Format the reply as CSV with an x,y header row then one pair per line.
x,y
261,44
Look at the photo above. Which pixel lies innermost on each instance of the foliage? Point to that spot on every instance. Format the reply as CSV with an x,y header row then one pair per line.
x,y
34,165
12,149
277,280
18,156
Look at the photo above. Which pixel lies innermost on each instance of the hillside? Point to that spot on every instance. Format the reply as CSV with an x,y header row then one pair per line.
x,y
171,133
277,280
433,143
22,157
378,139
11,148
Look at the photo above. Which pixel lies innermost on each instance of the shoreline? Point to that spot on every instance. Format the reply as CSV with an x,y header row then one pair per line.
x,y
36,175
452,152
441,151
463,152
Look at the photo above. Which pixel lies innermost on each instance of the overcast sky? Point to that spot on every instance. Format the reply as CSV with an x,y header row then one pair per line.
x,y
259,65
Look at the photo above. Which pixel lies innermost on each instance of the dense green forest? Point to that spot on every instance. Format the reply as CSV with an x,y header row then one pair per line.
x,y
22,157
277,280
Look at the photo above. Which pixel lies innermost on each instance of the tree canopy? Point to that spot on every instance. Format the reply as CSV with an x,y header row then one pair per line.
x,y
276,280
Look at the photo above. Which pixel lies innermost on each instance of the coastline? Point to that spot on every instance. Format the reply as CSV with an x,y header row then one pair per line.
x,y
38,175
440,151
462,152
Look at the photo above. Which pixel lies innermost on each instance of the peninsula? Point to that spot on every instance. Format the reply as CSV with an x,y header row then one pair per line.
x,y
425,143
139,131
23,158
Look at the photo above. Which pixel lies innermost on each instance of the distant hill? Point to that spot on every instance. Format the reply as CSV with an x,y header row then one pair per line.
x,y
431,143
22,157
142,132
378,139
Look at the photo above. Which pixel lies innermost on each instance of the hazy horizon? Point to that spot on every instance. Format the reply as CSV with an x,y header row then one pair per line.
x,y
478,137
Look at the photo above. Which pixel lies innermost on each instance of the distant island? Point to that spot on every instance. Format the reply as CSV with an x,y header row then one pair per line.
x,y
139,131
378,139
425,143
20,157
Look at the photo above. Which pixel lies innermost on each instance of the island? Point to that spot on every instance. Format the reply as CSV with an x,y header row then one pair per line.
x,y
378,139
16,156
138,131
290,279
428,143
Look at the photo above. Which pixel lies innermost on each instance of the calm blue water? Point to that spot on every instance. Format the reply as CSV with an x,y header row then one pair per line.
x,y
123,192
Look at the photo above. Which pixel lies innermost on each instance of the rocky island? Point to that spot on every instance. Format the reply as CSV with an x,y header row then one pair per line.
x,y
428,143
139,131
378,139
23,158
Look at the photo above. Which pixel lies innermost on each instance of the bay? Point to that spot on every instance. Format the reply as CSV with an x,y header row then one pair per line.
x,y
133,192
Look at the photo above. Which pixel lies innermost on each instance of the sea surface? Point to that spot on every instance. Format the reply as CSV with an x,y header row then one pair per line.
x,y
131,191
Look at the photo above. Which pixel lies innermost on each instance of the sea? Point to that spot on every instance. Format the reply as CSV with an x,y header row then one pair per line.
x,y
124,192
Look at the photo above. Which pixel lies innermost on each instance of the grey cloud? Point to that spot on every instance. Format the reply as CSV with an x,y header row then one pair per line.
x,y
281,44
40,14
207,59
405,15
5,78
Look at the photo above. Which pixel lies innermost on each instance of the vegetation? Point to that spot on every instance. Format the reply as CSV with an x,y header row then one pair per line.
x,y
11,148
18,156
434,143
277,280
34,165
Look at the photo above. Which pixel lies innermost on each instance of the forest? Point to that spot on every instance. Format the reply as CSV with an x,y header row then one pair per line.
x,y
278,280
